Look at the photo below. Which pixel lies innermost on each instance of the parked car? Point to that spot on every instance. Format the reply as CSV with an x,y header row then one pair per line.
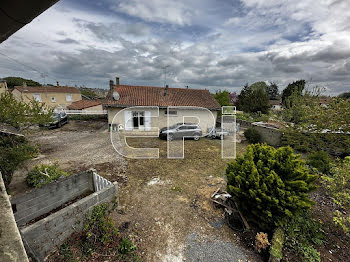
x,y
58,120
217,132
181,130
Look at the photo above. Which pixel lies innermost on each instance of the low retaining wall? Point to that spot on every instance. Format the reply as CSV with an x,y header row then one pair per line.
x,y
42,200
11,246
269,134
244,123
45,235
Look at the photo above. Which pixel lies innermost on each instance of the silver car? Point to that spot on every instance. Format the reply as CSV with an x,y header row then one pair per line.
x,y
181,130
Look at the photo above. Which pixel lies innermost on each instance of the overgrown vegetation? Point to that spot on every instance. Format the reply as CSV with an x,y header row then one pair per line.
x,y
321,161
336,144
14,151
99,239
338,186
275,182
99,229
302,234
252,135
20,115
43,174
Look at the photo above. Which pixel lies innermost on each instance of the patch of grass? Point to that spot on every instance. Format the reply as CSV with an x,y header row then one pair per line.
x,y
302,234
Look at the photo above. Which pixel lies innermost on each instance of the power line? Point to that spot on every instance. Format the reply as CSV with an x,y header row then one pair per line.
x,y
25,65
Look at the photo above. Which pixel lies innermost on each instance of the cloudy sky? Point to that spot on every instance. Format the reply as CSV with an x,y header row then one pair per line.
x,y
213,44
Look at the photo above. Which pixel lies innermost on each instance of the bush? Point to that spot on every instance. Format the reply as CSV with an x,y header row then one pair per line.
x,y
335,144
338,186
252,135
269,185
321,161
44,174
302,232
14,150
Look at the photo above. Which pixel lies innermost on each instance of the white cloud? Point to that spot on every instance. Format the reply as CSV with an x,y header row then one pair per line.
x,y
174,12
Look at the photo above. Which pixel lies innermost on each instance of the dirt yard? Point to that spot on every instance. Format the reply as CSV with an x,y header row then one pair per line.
x,y
164,203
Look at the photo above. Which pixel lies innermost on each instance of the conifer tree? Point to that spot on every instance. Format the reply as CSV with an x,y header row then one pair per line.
x,y
270,185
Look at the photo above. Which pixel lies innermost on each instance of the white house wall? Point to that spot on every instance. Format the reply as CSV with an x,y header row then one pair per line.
x,y
205,119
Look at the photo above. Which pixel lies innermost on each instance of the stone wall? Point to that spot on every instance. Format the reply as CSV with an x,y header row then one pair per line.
x,y
42,200
243,123
269,134
11,246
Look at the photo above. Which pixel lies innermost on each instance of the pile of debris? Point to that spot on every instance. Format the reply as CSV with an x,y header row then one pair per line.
x,y
234,217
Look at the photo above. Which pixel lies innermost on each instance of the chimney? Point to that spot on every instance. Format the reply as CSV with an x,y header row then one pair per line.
x,y
58,84
111,89
117,81
166,90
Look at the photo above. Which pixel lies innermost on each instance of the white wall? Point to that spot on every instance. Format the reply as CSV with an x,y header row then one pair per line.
x,y
206,119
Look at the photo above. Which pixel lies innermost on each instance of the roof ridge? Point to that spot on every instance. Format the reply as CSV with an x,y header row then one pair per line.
x,y
161,87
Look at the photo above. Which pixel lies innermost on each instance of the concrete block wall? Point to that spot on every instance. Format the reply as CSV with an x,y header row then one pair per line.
x,y
42,200
44,236
270,135
11,246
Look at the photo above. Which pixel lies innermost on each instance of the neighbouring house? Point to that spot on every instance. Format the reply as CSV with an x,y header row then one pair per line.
x,y
3,86
179,103
53,96
275,105
86,105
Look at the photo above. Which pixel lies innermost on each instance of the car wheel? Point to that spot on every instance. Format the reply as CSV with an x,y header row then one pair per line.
x,y
170,137
59,124
196,137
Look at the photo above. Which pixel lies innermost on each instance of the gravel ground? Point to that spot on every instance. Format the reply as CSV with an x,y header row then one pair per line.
x,y
205,249
76,147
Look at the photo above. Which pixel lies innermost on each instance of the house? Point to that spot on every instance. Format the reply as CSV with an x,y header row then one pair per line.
x,y
86,105
181,104
275,105
53,96
3,86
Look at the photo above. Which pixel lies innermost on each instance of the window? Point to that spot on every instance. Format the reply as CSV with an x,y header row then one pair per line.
x,y
182,127
53,99
68,97
171,112
37,97
138,119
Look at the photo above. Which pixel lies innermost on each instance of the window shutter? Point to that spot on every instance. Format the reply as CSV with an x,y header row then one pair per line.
x,y
148,120
128,120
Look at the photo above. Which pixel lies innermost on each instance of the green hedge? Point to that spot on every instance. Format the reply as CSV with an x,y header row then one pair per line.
x,y
334,144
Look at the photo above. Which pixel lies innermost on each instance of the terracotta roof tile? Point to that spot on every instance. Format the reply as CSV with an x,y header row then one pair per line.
x,y
48,89
156,96
83,104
